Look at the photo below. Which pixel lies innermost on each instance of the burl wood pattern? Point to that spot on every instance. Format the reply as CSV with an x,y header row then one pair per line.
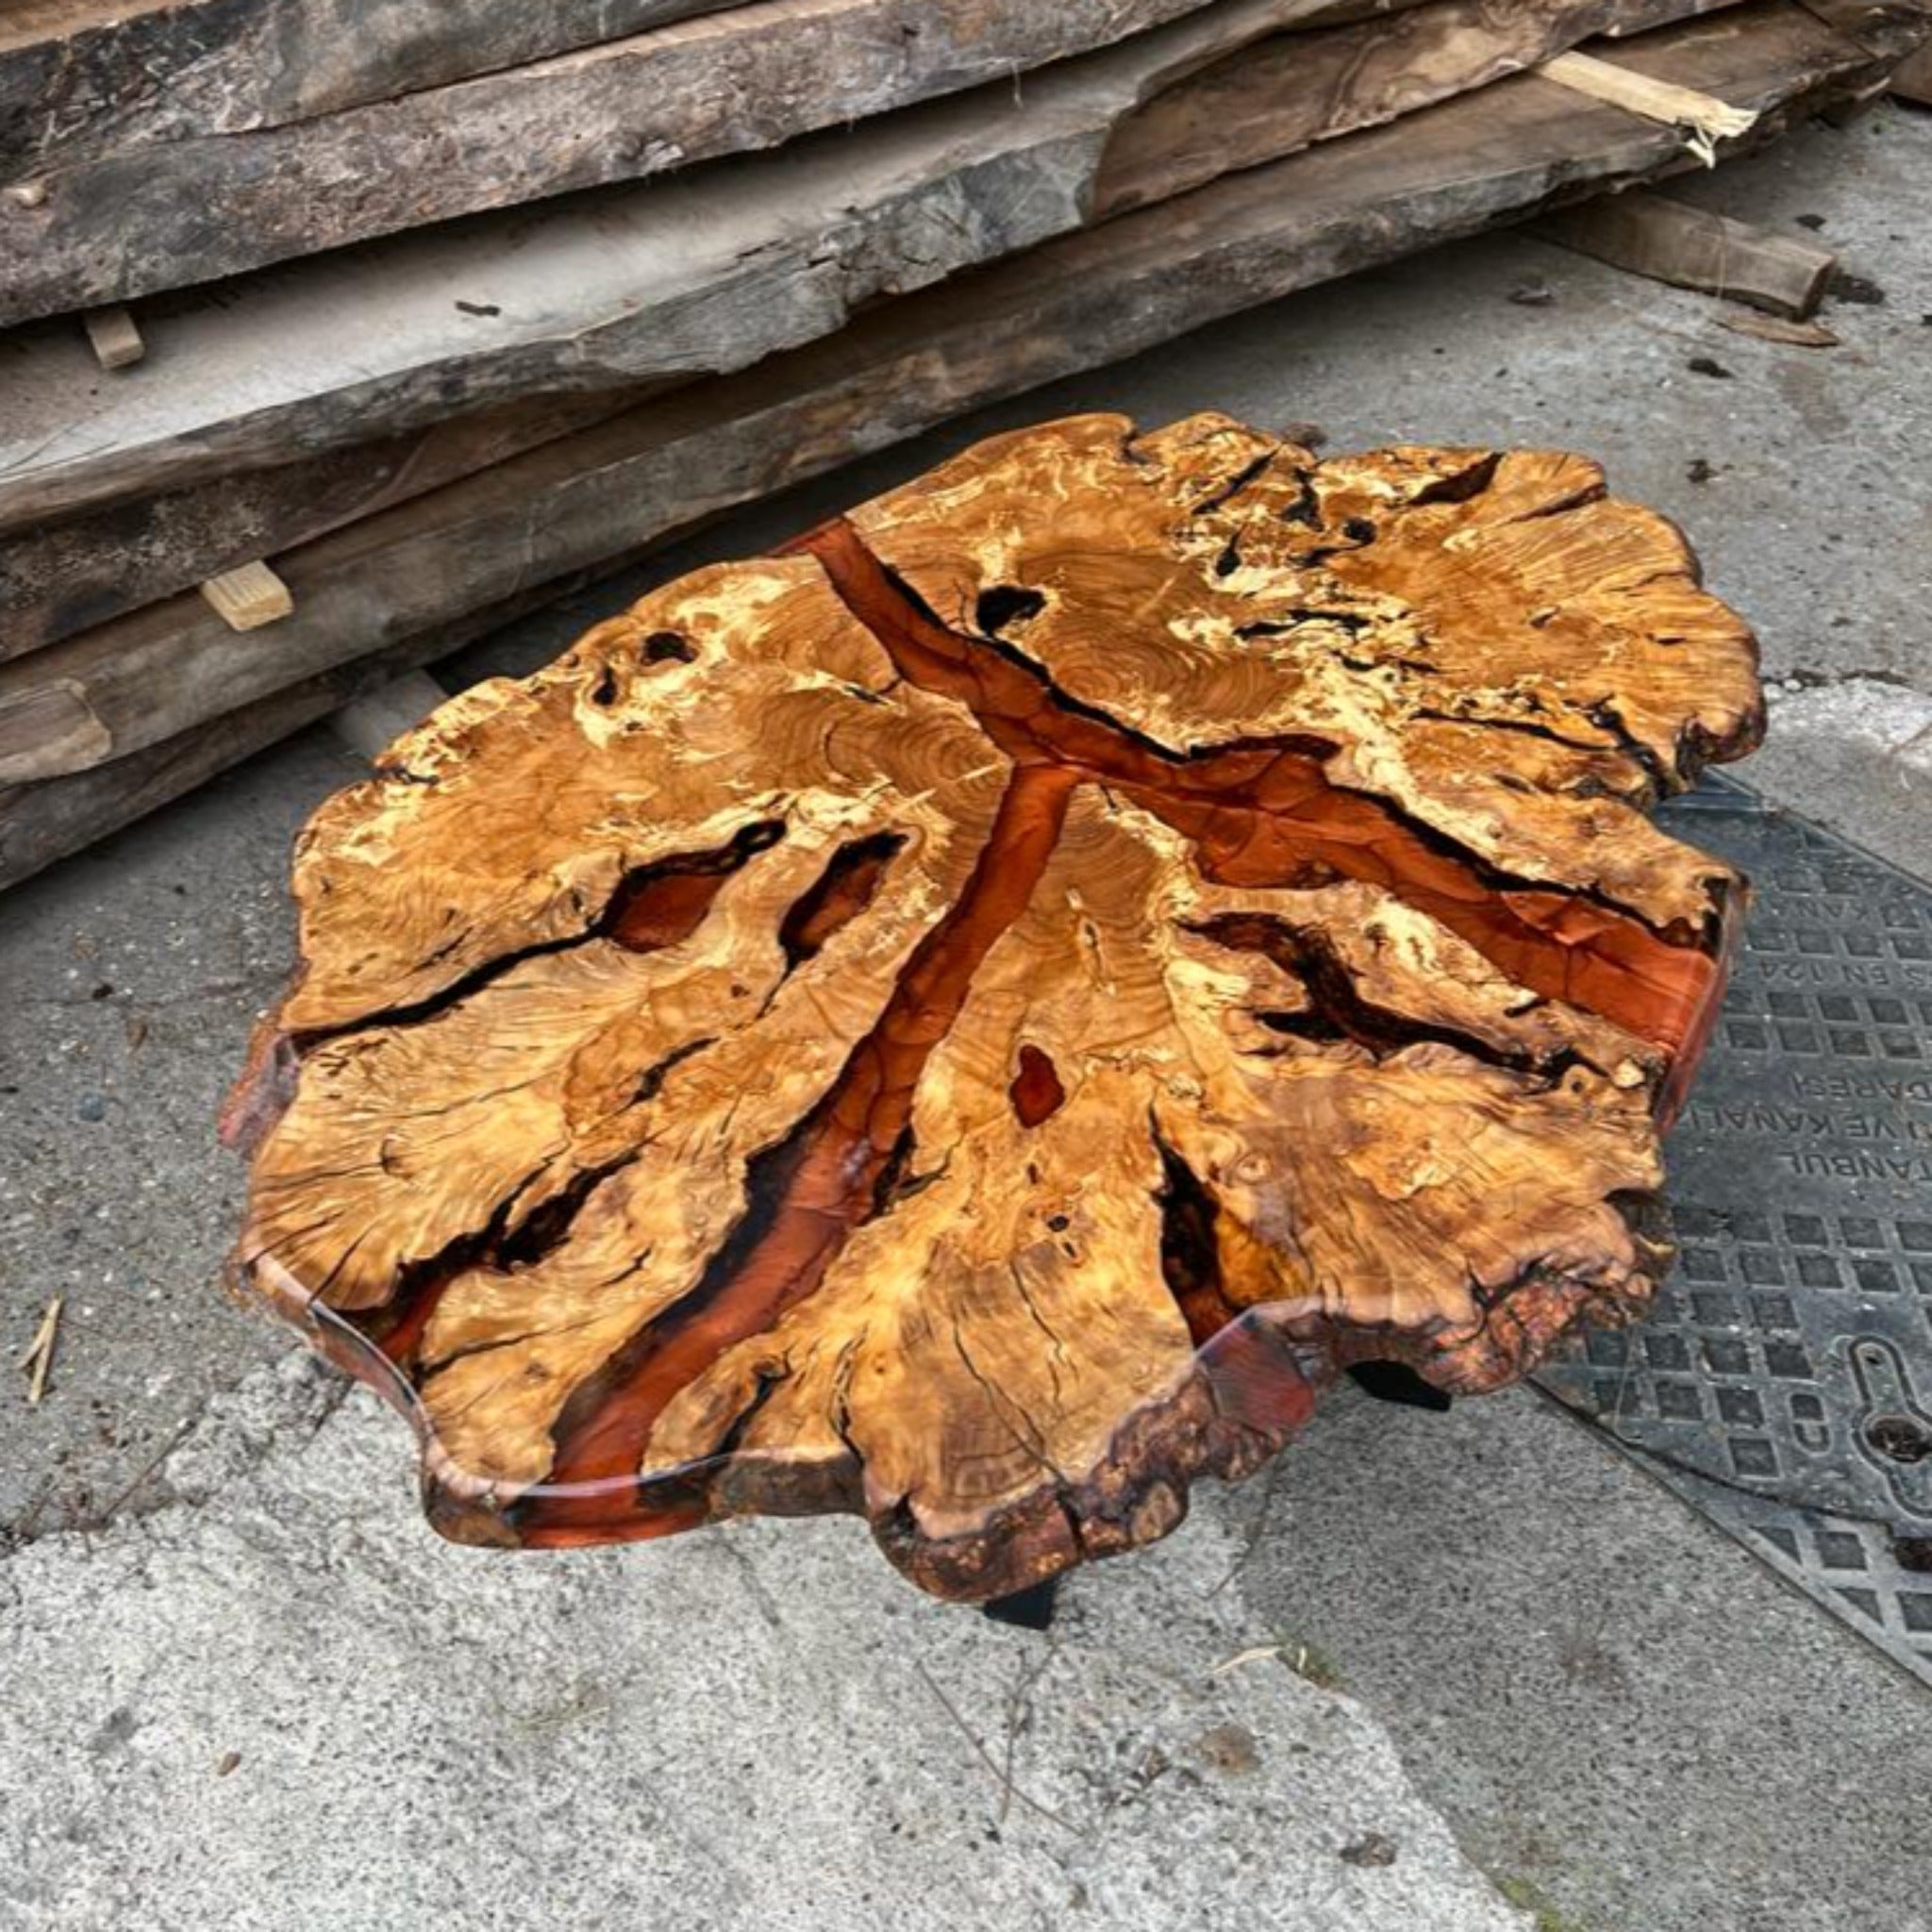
x,y
978,1019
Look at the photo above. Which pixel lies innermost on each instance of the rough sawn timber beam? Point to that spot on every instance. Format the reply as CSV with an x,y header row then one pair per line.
x,y
89,229
374,343
153,676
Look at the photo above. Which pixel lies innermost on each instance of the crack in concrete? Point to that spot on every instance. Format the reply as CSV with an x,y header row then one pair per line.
x,y
148,1492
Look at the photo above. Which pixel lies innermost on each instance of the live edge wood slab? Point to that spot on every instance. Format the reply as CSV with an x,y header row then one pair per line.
x,y
978,1019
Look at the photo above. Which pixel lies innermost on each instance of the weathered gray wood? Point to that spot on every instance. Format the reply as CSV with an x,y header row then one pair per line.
x,y
1889,28
66,575
710,271
108,227
699,273
88,77
1618,30
84,77
1294,89
40,825
1911,80
1085,299
1694,248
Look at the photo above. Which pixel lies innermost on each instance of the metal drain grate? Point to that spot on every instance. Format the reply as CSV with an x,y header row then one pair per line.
x,y
1783,1384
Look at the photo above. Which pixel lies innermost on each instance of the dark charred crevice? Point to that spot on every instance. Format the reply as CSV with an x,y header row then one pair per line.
x,y
1233,485
1464,486
846,886
1491,878
1353,622
547,1226
668,646
1605,715
1306,508
1036,1092
502,1243
1528,727
651,1081
1190,1255
1057,698
663,904
895,1182
396,1326
1395,661
767,1382
1499,883
1006,603
1357,533
1230,558
1289,744
654,906
1337,1010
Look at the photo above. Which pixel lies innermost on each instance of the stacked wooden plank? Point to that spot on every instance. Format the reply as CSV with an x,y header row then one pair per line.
x,y
503,298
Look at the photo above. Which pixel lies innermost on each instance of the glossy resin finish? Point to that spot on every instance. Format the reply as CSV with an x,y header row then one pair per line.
x,y
977,1020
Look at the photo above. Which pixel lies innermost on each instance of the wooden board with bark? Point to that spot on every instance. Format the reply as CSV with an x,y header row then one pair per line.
x,y
709,271
106,228
86,77
1092,298
1005,1000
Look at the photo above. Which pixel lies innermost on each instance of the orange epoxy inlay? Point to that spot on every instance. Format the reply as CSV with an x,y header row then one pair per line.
x,y
1270,816
825,1183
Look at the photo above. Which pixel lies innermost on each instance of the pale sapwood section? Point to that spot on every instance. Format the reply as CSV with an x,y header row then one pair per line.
x,y
1701,116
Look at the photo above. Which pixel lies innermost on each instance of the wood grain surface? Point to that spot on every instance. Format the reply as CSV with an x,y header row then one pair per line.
x,y
978,1019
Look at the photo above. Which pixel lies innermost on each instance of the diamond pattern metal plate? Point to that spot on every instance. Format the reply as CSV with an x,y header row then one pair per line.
x,y
1783,1383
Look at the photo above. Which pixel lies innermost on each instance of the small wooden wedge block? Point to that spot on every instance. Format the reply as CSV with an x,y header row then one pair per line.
x,y
979,1017
1694,248
248,596
113,337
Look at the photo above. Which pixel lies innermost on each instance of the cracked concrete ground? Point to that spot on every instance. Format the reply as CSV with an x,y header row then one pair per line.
x,y
1614,1710
302,1712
